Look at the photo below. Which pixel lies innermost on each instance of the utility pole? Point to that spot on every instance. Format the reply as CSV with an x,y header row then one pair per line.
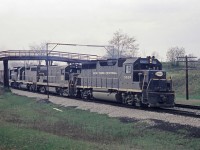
x,y
186,77
186,73
47,64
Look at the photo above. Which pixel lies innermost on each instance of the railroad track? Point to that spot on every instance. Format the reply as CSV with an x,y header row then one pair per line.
x,y
182,110
195,113
187,106
187,112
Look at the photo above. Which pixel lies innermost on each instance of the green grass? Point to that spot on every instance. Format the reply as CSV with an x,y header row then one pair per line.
x,y
13,137
178,77
29,124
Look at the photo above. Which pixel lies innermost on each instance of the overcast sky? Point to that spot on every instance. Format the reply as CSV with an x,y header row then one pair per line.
x,y
156,24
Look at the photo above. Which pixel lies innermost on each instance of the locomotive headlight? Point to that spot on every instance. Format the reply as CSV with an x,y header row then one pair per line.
x,y
159,74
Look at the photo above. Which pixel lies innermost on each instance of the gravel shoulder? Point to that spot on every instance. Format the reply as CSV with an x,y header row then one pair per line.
x,y
114,111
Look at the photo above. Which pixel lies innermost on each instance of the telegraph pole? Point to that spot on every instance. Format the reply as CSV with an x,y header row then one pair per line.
x,y
186,78
47,64
186,73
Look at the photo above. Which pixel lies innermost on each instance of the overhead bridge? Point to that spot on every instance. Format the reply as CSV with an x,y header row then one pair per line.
x,y
5,56
42,55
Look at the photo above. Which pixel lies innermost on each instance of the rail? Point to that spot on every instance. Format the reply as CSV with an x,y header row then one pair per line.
x,y
43,53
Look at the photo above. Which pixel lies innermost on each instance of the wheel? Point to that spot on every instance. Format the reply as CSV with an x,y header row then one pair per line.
x,y
42,89
60,92
19,85
86,95
65,92
12,84
138,101
78,94
83,95
31,88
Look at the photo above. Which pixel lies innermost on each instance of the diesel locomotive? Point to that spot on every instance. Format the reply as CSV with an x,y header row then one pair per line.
x,y
132,81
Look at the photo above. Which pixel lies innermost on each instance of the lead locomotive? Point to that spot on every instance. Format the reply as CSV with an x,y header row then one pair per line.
x,y
132,81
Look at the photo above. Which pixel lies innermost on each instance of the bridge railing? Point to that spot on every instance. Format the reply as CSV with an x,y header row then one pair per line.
x,y
21,53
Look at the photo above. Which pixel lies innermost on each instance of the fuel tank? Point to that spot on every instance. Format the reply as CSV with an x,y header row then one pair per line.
x,y
106,96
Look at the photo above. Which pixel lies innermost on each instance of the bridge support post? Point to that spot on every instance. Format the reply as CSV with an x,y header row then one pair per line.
x,y
6,75
50,62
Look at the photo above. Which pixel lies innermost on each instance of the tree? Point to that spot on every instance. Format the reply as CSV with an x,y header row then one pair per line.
x,y
40,49
123,46
173,53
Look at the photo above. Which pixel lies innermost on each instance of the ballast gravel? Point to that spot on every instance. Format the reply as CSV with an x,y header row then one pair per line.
x,y
114,111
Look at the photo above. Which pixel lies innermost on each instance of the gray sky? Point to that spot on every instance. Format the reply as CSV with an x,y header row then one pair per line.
x,y
156,24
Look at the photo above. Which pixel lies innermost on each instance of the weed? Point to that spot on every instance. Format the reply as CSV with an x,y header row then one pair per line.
x,y
28,124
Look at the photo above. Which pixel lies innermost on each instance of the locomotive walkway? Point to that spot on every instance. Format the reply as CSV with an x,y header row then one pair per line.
x,y
48,56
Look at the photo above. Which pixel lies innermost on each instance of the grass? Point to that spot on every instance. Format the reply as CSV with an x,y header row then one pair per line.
x,y
179,83
178,77
29,124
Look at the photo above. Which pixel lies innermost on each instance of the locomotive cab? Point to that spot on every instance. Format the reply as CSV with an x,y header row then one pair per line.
x,y
13,74
16,75
72,70
71,73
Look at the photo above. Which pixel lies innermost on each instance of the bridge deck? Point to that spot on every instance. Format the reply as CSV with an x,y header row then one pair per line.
x,y
42,55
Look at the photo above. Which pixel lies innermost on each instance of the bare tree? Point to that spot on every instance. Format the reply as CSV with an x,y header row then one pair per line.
x,y
173,53
40,49
123,45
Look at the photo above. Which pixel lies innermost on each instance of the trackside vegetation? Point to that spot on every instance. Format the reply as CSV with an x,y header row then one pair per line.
x,y
27,123
194,83
178,76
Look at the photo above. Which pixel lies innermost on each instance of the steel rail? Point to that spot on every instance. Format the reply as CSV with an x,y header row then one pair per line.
x,y
188,106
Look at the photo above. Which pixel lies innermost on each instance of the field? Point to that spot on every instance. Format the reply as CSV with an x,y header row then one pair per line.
x,y
178,77
29,124
194,86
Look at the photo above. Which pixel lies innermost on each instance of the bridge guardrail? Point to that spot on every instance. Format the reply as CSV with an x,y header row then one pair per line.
x,y
21,53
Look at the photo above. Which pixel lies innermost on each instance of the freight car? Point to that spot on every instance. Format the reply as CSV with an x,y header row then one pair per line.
x,y
131,81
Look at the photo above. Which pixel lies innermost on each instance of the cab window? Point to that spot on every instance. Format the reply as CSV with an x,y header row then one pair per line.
x,y
127,68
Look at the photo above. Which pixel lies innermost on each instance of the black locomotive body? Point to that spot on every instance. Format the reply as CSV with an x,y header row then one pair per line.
x,y
132,81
